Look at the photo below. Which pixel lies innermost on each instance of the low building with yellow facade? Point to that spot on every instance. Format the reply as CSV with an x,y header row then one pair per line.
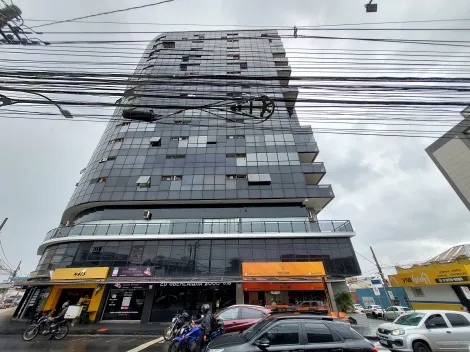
x,y
443,284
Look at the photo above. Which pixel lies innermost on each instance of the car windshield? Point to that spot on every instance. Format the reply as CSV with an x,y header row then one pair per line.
x,y
249,333
412,319
378,307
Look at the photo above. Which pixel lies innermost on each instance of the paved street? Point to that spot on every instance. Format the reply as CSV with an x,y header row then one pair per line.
x,y
12,343
88,344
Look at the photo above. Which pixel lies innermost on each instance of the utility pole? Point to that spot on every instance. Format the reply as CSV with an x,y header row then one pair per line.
x,y
3,223
16,271
385,282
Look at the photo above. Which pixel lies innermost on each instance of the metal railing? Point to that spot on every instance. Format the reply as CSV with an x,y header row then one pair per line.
x,y
168,227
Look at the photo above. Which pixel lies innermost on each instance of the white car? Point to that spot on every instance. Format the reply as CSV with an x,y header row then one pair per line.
x,y
427,331
393,312
374,310
358,308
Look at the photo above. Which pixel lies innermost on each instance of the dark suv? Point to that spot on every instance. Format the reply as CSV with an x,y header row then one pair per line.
x,y
293,332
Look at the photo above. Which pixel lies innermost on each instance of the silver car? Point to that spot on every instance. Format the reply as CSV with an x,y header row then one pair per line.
x,y
427,331
393,312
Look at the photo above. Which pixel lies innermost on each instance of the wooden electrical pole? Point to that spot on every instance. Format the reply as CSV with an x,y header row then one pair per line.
x,y
385,282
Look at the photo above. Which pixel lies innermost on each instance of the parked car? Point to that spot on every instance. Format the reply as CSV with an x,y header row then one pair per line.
x,y
289,332
427,331
316,307
6,303
393,312
374,311
241,316
358,308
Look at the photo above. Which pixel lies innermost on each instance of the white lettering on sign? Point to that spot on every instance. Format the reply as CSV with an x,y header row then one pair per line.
x,y
423,279
197,284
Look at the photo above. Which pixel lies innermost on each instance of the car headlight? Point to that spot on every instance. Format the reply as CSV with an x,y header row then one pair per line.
x,y
397,332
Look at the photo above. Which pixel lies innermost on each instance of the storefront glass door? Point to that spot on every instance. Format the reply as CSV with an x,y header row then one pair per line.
x,y
124,304
170,300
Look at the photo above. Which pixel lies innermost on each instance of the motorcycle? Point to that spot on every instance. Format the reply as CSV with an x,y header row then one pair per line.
x,y
176,324
187,341
57,330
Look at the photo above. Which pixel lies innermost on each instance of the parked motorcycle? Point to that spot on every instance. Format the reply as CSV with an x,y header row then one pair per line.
x,y
57,330
187,341
176,324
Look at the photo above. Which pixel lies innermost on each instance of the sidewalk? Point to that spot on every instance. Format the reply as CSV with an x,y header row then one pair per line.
x,y
14,327
366,327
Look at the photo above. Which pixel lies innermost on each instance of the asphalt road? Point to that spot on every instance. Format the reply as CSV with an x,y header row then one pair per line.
x,y
12,343
71,343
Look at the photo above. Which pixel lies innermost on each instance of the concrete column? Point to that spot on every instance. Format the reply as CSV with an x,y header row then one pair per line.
x,y
331,293
239,293
102,305
148,302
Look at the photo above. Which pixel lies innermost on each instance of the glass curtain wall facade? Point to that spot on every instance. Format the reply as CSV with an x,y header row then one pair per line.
x,y
222,185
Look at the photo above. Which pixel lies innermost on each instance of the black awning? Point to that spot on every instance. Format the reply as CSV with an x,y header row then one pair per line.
x,y
180,280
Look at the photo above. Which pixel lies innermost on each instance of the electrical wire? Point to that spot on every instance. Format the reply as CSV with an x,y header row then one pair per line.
x,y
258,26
103,13
4,255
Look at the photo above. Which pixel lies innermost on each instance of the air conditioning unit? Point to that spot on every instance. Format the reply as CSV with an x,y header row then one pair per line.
x,y
67,224
103,160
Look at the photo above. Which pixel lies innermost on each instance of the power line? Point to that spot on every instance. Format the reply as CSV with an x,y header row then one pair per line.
x,y
102,13
258,26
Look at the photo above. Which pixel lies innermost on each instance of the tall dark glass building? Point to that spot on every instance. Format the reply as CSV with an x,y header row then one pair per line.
x,y
211,202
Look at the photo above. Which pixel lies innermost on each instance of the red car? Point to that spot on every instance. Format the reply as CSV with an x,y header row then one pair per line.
x,y
241,316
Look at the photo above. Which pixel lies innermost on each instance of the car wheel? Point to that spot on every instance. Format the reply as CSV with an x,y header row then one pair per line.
x,y
421,347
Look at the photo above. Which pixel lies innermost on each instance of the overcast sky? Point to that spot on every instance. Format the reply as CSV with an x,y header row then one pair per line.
x,y
397,200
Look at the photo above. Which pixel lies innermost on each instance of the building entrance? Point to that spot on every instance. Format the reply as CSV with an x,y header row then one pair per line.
x,y
73,295
171,299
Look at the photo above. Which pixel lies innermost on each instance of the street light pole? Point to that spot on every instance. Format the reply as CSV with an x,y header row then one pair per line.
x,y
4,101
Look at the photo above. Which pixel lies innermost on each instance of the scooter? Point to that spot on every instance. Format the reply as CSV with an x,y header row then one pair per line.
x,y
186,342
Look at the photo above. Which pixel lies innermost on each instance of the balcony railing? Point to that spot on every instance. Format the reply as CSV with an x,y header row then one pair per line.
x,y
173,227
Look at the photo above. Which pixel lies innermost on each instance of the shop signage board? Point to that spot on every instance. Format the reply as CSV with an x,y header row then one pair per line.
x,y
466,291
282,269
437,274
274,286
80,273
130,286
193,284
132,271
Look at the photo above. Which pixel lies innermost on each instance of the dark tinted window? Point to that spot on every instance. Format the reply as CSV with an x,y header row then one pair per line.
x,y
248,313
457,320
284,333
436,321
317,333
347,333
